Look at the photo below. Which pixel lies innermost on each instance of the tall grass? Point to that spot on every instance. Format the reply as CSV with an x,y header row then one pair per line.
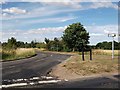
x,y
17,54
102,52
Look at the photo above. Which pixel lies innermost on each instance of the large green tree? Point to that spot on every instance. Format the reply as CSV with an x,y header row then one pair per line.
x,y
75,36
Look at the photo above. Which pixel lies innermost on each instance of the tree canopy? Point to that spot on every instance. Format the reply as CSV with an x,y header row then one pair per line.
x,y
75,36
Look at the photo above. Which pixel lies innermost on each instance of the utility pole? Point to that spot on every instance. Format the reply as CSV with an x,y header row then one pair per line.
x,y
112,35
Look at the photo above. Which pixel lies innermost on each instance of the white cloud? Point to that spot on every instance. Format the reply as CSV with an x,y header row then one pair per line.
x,y
100,33
96,34
53,8
62,0
14,10
9,24
2,1
28,35
45,30
103,29
96,5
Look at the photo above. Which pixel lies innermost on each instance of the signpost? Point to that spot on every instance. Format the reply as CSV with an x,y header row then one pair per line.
x,y
112,35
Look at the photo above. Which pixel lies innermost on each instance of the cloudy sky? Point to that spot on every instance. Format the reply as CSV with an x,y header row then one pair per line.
x,y
27,21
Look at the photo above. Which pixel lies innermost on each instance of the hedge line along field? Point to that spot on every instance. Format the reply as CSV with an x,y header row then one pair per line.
x,y
17,54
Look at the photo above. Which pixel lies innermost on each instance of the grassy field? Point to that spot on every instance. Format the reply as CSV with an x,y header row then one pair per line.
x,y
17,54
102,52
99,64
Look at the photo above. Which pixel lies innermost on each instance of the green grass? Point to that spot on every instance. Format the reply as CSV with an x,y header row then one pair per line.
x,y
17,54
99,64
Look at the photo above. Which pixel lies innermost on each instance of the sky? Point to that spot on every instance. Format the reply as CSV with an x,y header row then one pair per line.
x,y
27,21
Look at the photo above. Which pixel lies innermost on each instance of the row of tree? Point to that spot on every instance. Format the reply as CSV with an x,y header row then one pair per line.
x,y
12,43
107,45
74,38
57,44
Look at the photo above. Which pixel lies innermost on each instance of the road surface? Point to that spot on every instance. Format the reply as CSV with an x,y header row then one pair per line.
x,y
36,66
33,73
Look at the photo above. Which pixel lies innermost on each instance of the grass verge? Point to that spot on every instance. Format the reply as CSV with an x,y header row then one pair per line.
x,y
17,54
99,64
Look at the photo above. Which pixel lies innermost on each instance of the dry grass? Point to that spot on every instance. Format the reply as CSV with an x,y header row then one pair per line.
x,y
0,50
99,64
69,53
104,52
17,54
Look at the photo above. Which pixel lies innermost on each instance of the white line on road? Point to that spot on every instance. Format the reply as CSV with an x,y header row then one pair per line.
x,y
34,78
14,85
50,81
31,83
45,77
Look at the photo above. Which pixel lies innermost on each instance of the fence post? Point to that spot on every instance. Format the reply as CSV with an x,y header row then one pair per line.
x,y
90,54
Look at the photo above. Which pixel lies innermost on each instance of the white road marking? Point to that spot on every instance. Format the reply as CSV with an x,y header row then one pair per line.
x,y
34,78
49,77
45,77
19,79
32,83
14,85
25,79
50,81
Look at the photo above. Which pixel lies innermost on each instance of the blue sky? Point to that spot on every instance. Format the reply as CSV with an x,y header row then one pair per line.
x,y
27,21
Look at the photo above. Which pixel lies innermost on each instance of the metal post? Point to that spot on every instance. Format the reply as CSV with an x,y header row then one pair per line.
x,y
112,35
113,48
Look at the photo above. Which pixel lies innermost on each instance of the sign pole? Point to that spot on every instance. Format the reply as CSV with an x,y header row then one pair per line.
x,y
112,35
113,48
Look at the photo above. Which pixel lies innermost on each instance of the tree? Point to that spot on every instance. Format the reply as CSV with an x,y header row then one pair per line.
x,y
11,43
41,45
108,45
75,36
47,40
33,44
20,44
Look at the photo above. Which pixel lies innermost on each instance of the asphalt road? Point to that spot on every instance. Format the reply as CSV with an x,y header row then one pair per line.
x,y
41,64
31,67
110,81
